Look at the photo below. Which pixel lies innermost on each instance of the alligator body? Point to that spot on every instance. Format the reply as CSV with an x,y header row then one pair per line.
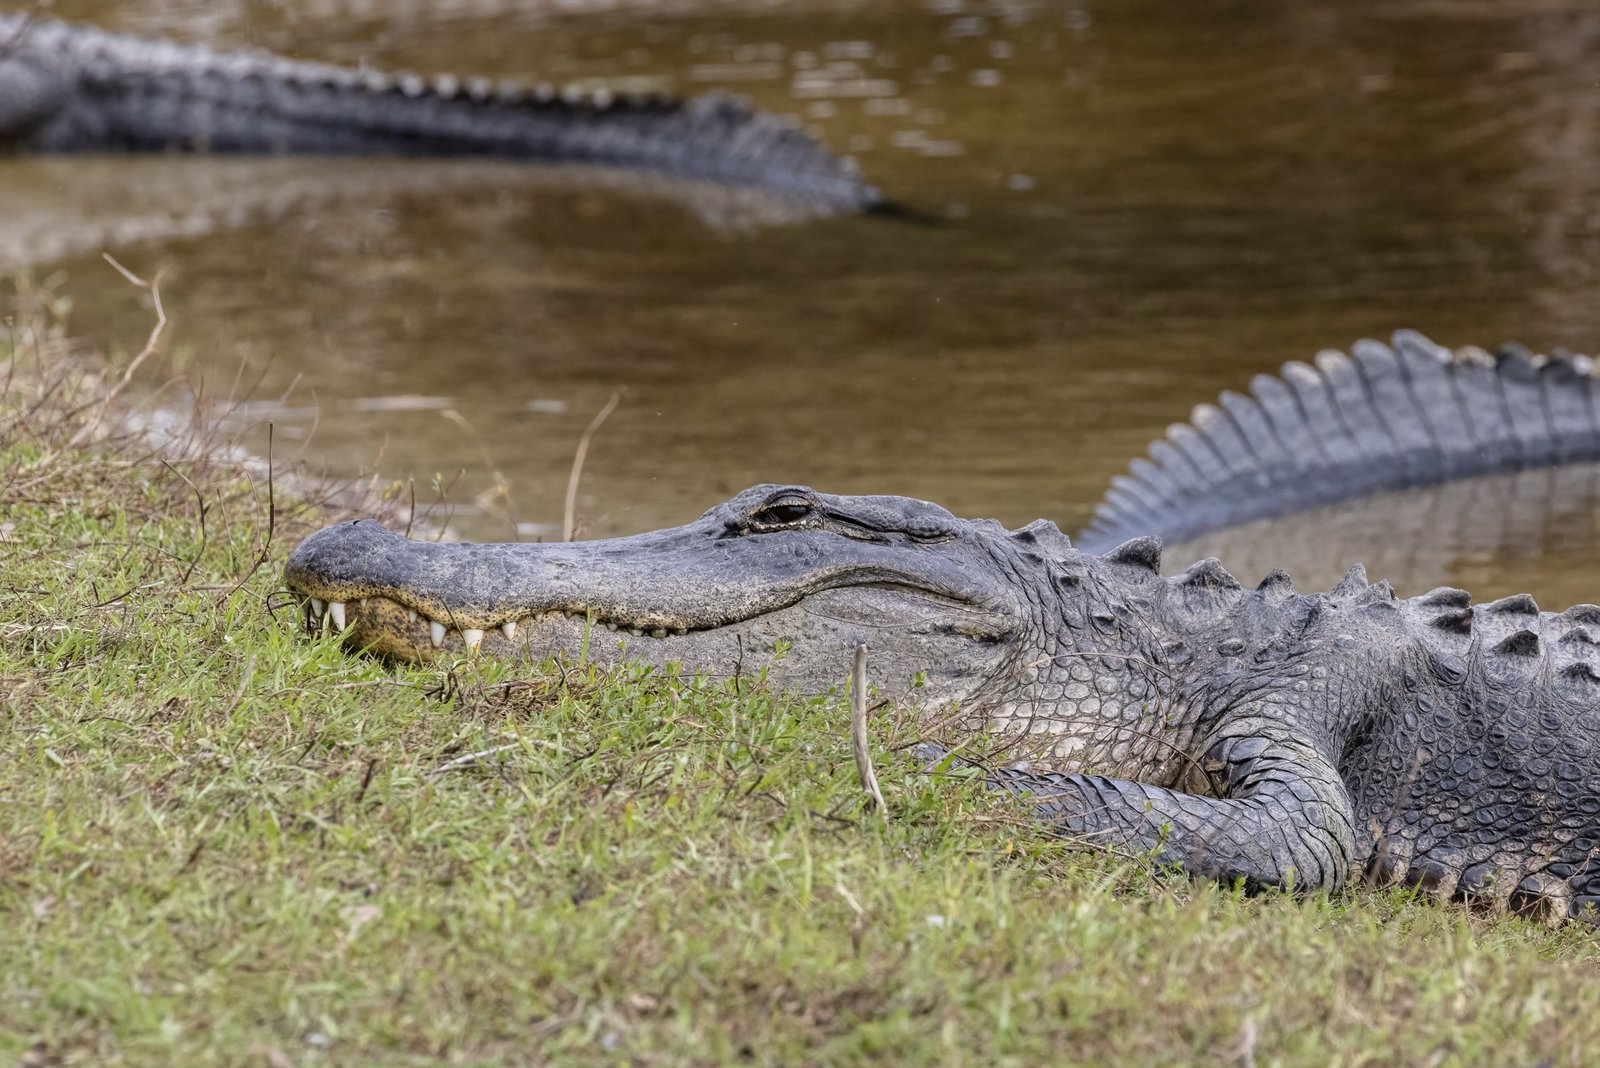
x,y
69,88
1257,734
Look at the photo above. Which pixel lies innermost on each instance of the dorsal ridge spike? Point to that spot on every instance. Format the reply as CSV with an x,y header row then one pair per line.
x,y
1276,581
1044,532
1354,582
1522,643
1377,593
1518,604
1142,552
1580,671
1445,597
1207,574
1588,614
1456,622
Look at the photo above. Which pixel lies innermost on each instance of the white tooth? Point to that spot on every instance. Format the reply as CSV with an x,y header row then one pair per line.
x,y
473,637
681,631
509,630
316,608
436,632
659,632
411,615
636,632
336,613
610,626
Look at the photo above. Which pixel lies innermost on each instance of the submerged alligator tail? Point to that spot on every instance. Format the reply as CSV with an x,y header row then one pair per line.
x,y
68,88
1384,417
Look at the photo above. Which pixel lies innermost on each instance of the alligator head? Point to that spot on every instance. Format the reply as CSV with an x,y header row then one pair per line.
x,y
784,578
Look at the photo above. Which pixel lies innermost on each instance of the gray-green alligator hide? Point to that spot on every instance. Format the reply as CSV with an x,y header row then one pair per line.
x,y
1262,734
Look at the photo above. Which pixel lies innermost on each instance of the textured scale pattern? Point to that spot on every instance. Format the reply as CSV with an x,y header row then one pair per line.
x,y
67,88
1383,417
1426,741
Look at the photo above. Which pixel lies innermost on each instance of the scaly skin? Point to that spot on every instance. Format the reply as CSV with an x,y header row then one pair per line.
x,y
1263,735
66,88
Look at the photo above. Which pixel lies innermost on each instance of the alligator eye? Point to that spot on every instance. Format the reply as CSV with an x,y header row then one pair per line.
x,y
782,512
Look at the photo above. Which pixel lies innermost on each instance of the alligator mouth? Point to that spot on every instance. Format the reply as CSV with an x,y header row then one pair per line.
x,y
382,625
387,626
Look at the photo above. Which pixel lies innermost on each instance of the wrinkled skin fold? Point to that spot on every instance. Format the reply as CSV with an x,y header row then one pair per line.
x,y
1261,735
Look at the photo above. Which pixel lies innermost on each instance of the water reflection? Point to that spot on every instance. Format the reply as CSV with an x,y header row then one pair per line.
x,y
1139,206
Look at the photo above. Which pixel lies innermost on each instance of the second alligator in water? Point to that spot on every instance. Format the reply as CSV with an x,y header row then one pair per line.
x,y
1262,735
69,88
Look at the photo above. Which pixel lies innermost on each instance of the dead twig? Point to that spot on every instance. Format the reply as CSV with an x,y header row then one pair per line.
x,y
858,731
502,485
569,517
244,686
272,526
92,424
200,502
466,759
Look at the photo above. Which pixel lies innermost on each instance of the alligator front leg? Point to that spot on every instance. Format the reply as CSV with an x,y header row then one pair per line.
x,y
1285,817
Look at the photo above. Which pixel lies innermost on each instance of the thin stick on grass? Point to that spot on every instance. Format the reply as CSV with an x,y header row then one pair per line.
x,y
244,686
200,502
858,731
154,286
272,526
467,759
502,486
569,517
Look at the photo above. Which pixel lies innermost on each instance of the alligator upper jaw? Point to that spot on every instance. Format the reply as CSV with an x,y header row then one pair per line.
x,y
844,616
686,589
388,627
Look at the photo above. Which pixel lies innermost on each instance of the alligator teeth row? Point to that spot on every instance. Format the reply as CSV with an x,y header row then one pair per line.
x,y
334,616
326,614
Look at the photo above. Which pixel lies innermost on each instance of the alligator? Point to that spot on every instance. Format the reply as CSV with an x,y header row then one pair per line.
x,y
1254,735
66,88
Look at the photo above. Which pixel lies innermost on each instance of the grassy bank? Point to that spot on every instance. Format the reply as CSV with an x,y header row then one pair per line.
x,y
225,842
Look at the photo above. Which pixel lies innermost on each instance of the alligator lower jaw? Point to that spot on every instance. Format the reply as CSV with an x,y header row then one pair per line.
x,y
388,628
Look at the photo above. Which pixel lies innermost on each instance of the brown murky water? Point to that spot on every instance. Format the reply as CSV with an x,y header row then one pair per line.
x,y
1135,206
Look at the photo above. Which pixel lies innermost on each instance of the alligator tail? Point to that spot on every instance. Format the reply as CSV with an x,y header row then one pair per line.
x,y
122,93
1384,417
